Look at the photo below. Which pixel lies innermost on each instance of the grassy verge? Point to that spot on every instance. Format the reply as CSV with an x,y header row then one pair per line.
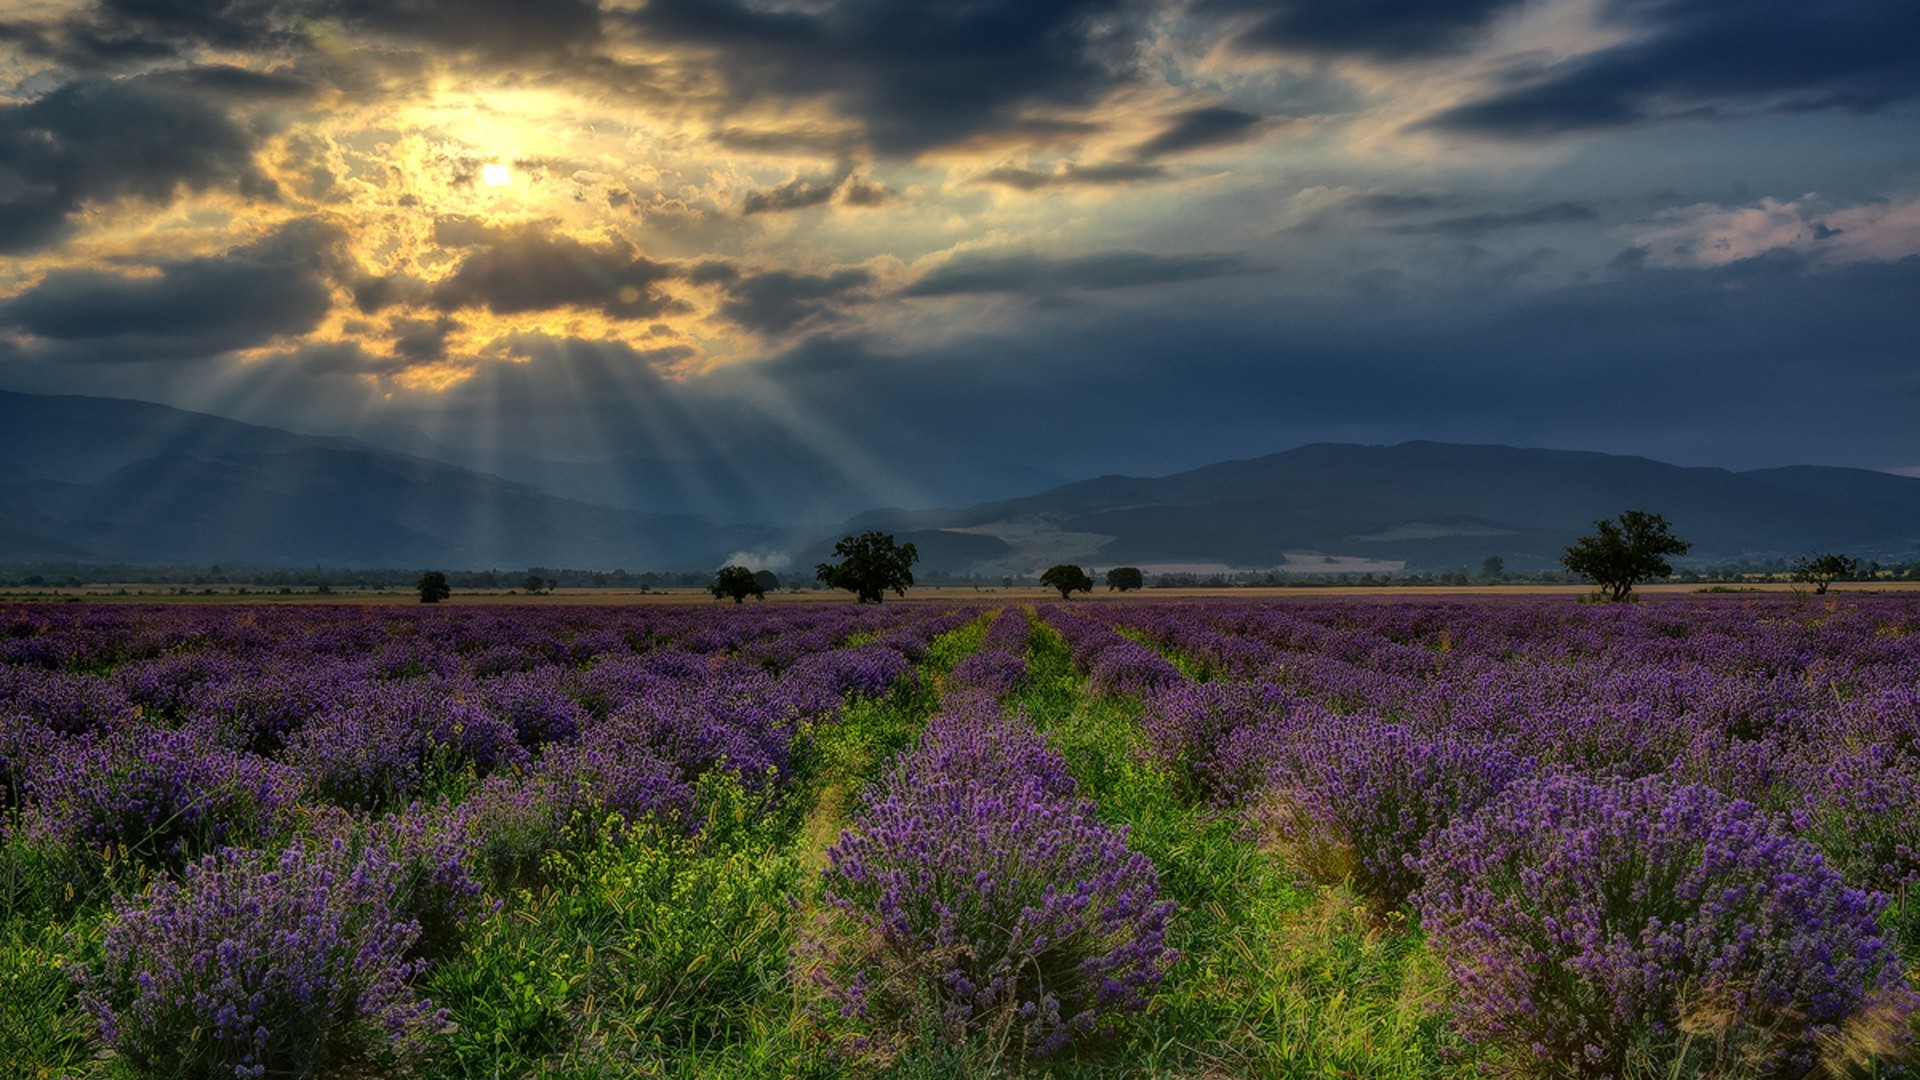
x,y
669,957
1277,977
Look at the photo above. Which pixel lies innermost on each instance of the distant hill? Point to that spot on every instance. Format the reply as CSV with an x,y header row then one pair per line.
x,y
1417,505
98,479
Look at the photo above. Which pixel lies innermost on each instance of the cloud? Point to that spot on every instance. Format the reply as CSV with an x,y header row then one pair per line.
x,y
525,269
915,75
98,140
248,296
779,301
1199,129
1710,235
518,29
1037,273
1073,175
114,33
807,191
1713,58
1386,29
1557,213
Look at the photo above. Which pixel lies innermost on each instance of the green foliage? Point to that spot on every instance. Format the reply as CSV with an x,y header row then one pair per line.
x,y
1067,578
767,580
1275,979
1823,570
1125,578
433,587
738,583
870,564
1493,568
45,1032
1624,554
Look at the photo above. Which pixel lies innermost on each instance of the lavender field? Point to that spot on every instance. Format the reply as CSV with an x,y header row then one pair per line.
x,y
1224,838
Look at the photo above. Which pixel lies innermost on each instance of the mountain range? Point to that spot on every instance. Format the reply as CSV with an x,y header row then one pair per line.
x,y
99,479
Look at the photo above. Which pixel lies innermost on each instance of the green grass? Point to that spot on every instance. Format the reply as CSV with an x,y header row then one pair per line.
x,y
656,955
1276,978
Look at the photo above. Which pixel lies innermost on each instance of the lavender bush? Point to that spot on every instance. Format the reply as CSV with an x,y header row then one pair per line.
x,y
256,965
1599,927
979,899
1357,798
158,797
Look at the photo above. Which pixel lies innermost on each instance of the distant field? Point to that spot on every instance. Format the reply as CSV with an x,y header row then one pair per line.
x,y
965,836
227,593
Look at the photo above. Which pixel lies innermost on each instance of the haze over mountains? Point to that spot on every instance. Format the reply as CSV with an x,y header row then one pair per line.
x,y
98,479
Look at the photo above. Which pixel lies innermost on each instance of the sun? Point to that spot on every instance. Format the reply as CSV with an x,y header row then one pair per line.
x,y
496,175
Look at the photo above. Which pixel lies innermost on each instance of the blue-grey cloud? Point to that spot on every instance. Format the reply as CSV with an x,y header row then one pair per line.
x,y
1709,58
97,140
1199,129
1037,273
1390,29
1556,213
191,307
511,271
115,33
917,75
779,301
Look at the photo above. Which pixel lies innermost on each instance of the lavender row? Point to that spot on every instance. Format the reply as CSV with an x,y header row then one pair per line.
x,y
1633,835
978,896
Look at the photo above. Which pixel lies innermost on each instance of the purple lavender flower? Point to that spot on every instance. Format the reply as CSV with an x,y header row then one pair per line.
x,y
257,965
978,894
1591,924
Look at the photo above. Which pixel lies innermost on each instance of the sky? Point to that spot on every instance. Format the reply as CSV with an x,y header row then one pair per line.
x,y
1081,236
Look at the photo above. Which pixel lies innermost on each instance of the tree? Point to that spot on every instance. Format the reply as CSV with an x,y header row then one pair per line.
x,y
1625,554
1124,578
1824,570
1494,568
1068,578
433,587
768,580
869,565
737,582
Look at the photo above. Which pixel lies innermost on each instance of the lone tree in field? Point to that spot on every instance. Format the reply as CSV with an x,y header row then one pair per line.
x,y
869,565
1824,570
767,580
1625,553
433,587
535,585
1068,578
1123,578
737,582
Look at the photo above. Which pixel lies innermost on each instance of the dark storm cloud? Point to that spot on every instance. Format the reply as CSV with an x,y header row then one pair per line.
x,y
1702,58
917,75
1559,213
1198,129
507,28
247,296
1389,29
117,32
778,302
524,269
1687,365
803,192
99,140
1098,175
1035,273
